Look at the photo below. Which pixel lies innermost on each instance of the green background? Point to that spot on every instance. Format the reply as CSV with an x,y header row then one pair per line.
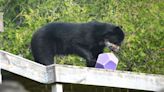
x,y
142,22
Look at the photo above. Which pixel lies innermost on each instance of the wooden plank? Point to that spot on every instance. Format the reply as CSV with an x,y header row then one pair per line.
x,y
23,67
57,88
79,75
101,77
1,22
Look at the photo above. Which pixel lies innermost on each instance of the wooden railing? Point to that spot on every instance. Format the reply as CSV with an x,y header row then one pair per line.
x,y
60,74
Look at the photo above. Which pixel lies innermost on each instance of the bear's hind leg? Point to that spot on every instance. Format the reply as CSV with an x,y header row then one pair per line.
x,y
43,55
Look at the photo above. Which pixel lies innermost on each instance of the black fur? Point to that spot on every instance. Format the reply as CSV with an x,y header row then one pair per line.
x,y
83,39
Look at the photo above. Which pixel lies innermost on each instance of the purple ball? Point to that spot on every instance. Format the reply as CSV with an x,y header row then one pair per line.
x,y
107,61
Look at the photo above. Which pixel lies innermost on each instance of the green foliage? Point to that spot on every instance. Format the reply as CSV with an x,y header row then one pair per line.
x,y
142,21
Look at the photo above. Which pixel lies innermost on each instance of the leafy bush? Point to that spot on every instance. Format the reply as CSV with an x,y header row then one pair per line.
x,y
142,21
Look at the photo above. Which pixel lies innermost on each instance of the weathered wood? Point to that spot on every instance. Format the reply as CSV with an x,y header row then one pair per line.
x,y
101,77
23,67
1,22
79,75
57,88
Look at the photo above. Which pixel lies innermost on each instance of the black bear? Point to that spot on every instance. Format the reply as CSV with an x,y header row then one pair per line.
x,y
83,39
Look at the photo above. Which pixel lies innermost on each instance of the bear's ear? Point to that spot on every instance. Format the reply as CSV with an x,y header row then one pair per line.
x,y
113,30
117,30
119,33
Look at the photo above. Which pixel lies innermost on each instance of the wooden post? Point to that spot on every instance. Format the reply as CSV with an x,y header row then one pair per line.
x,y
0,76
57,88
1,30
1,22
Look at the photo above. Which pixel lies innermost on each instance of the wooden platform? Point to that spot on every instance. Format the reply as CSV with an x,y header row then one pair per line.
x,y
78,75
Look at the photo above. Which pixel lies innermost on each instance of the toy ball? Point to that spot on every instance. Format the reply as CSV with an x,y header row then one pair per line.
x,y
107,61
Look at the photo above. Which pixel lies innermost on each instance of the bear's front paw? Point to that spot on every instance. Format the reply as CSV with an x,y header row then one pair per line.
x,y
91,63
